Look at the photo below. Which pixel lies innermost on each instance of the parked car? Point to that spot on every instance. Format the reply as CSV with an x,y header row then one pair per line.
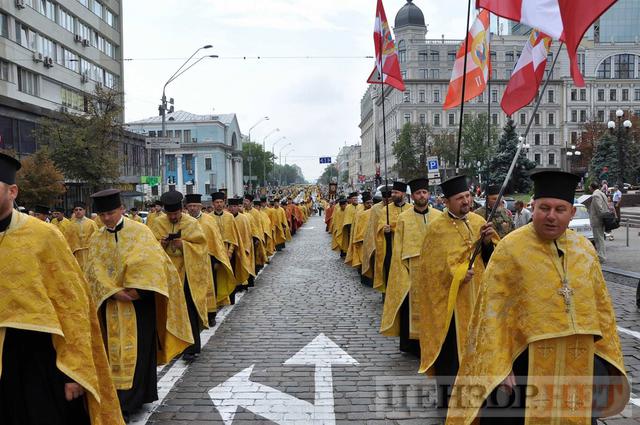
x,y
580,222
143,215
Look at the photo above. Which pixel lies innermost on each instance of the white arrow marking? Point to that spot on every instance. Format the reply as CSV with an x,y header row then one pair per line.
x,y
279,407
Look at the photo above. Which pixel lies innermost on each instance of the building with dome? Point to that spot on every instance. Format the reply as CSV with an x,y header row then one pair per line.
x,y
611,71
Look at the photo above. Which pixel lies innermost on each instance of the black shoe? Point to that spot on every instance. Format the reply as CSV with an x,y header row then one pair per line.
x,y
212,319
189,357
126,417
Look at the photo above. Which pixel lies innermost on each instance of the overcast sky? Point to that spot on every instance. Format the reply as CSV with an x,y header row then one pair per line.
x,y
314,102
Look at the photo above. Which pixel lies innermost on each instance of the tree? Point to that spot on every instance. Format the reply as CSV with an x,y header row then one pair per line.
x,y
405,154
344,176
604,163
261,160
330,174
474,144
289,174
84,147
39,180
501,161
444,147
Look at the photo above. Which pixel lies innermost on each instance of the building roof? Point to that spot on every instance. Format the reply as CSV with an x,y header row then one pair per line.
x,y
187,117
409,15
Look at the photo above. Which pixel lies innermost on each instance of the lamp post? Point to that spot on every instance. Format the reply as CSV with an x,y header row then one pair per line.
x,y
273,155
280,161
264,162
250,159
621,129
163,108
263,119
572,152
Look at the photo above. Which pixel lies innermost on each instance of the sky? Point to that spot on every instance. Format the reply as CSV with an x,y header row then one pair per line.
x,y
302,63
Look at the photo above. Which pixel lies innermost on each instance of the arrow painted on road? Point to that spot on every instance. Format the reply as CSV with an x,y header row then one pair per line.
x,y
277,406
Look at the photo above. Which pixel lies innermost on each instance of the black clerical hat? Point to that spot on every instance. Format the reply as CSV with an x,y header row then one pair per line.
x,y
257,202
172,201
106,200
41,209
342,200
8,168
192,198
80,204
454,185
555,184
493,189
217,195
353,195
419,184
366,196
133,209
158,203
399,186
234,201
59,209
263,199
248,196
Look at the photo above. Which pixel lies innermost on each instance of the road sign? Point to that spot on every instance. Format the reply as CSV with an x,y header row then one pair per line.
x,y
432,164
435,175
434,182
162,143
325,160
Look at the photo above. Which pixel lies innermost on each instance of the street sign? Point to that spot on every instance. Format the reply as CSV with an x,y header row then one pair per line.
x,y
435,175
162,143
325,160
432,164
434,182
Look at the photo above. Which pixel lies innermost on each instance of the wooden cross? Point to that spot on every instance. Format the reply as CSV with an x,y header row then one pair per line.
x,y
566,292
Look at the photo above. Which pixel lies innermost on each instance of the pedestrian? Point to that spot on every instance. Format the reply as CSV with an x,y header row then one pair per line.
x,y
78,232
543,343
133,215
604,187
337,228
597,208
137,293
502,220
522,216
54,364
449,241
245,266
184,241
58,218
358,230
156,211
369,242
400,312
230,236
617,199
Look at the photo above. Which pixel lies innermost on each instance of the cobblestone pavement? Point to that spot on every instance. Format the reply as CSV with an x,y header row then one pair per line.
x,y
307,295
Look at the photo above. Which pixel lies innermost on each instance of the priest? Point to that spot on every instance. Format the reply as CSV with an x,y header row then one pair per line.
x,y
58,219
137,292
184,241
78,232
543,345
400,312
369,241
251,210
231,239
447,289
244,266
354,253
336,226
54,368
155,212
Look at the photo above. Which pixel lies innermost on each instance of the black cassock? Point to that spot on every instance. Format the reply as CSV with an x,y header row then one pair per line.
x,y
194,320
32,387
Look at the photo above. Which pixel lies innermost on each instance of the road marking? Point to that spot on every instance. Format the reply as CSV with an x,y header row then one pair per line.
x,y
277,406
629,332
179,367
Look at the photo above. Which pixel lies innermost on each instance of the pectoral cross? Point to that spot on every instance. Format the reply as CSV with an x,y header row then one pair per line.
x,y
567,293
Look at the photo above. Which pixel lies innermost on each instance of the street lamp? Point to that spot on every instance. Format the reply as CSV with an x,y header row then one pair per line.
x,y
264,163
263,119
280,161
572,152
163,108
621,129
273,155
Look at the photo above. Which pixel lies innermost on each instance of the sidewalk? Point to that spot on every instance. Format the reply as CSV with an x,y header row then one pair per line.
x,y
621,256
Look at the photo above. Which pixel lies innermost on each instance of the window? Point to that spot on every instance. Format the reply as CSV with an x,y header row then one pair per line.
x,y
625,95
177,134
552,159
85,3
97,8
423,119
604,70
574,137
109,18
480,98
600,95
422,96
72,99
407,118
436,120
28,82
207,188
636,95
5,71
4,28
583,115
424,73
451,55
536,118
402,51
574,116
536,139
581,62
422,56
188,163
574,95
583,94
536,158
404,74
169,133
612,94
508,56
494,96
494,56
550,96
187,136
83,31
47,8
407,97
466,117
624,66
66,20
600,115
435,56
152,133
523,119
551,119
494,119
507,74
435,74
436,96
452,120
552,139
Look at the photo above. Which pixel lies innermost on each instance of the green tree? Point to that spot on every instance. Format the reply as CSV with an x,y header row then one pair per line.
x,y
475,147
39,180
444,147
604,163
260,160
330,174
289,174
501,161
409,157
85,147
344,176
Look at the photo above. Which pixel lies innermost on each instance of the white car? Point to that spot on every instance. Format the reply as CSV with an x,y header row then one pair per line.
x,y
580,222
143,215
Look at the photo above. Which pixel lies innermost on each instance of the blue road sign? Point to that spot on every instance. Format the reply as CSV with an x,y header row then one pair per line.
x,y
325,160
432,164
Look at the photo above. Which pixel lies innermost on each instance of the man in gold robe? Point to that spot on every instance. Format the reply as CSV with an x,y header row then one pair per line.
x,y
358,228
384,232
230,237
369,241
330,207
446,288
336,225
245,259
58,219
543,344
54,368
400,312
279,222
42,213
138,294
347,221
257,233
267,227
133,215
154,212
78,232
223,280
186,244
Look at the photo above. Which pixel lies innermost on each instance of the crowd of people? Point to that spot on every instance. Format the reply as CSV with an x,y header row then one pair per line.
x,y
91,307
512,317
